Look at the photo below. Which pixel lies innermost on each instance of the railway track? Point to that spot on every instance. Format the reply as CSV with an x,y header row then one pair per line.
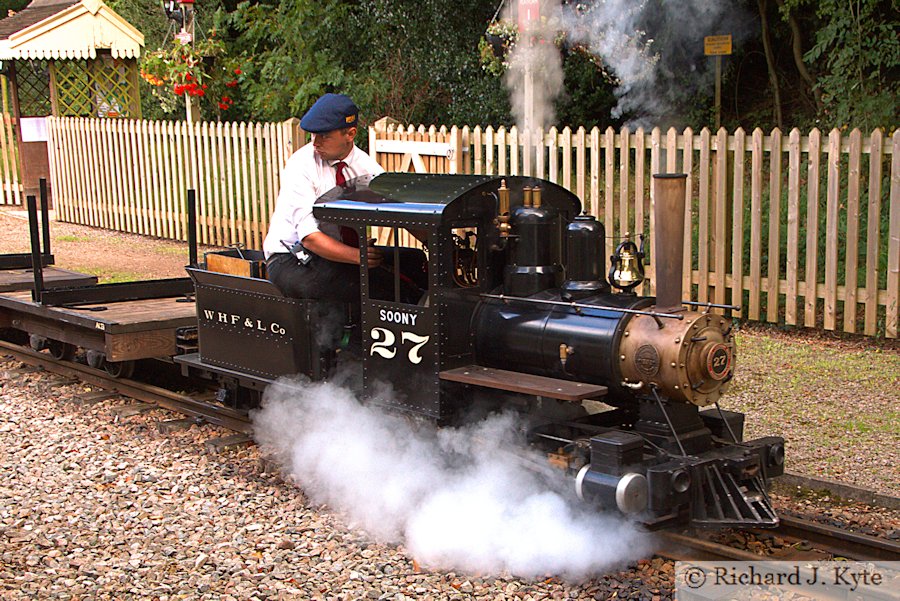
x,y
139,391
801,539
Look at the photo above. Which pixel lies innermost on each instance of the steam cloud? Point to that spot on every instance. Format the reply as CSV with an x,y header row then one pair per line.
x,y
535,62
653,48
456,498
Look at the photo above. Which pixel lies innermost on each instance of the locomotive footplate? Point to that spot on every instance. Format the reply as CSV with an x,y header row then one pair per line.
x,y
501,379
193,365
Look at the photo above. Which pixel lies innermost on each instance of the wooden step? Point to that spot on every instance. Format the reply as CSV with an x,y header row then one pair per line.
x,y
513,381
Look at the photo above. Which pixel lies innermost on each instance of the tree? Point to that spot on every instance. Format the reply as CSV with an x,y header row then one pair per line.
x,y
856,53
413,60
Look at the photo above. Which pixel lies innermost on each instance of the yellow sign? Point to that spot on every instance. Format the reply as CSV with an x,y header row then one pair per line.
x,y
714,45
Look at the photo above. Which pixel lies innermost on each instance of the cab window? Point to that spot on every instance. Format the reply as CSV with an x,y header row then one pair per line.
x,y
403,275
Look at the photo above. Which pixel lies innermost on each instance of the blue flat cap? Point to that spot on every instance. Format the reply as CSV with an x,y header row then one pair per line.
x,y
330,112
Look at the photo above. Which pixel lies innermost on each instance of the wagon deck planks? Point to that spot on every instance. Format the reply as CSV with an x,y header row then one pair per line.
x,y
23,279
123,331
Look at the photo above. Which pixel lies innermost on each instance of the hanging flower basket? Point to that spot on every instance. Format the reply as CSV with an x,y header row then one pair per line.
x,y
495,46
201,69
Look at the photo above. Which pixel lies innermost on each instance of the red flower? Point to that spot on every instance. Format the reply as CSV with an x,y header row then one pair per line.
x,y
237,71
205,86
231,84
188,77
223,106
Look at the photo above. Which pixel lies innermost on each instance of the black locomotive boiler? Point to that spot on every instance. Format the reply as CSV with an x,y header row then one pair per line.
x,y
517,312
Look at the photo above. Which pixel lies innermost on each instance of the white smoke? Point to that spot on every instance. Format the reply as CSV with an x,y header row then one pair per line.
x,y
457,499
535,76
653,49
610,30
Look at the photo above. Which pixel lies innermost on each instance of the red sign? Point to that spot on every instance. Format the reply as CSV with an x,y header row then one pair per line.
x,y
529,13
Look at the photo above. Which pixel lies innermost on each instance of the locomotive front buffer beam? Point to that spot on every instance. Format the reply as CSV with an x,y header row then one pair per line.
x,y
725,486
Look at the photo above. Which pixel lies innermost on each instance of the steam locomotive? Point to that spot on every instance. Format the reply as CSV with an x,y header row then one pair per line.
x,y
517,311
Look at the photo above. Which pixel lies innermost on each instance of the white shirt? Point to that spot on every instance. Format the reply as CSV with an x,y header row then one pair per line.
x,y
305,178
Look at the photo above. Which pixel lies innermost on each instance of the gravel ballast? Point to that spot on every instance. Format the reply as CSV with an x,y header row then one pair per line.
x,y
92,507
95,507
99,507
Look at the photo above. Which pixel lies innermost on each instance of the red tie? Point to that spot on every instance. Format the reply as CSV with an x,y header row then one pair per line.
x,y
339,177
348,234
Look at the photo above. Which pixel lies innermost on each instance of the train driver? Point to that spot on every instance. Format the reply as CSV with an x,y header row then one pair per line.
x,y
305,258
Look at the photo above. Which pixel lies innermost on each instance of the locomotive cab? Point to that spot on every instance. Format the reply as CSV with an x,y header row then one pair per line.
x,y
412,344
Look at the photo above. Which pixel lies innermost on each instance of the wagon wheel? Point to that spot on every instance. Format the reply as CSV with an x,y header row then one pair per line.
x,y
119,369
61,351
95,359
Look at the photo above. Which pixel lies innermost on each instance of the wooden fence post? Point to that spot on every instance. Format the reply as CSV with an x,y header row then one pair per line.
x,y
131,175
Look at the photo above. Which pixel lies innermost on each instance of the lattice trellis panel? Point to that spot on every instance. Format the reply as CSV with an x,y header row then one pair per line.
x,y
33,84
102,87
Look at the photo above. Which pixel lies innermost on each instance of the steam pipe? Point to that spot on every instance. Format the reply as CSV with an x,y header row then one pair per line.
x,y
668,247
579,306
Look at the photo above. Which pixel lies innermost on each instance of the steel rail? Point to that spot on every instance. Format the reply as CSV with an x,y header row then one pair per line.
x,y
837,541
147,393
684,547
820,538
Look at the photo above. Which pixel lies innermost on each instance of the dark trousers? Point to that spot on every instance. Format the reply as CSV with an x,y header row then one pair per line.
x,y
319,279
339,282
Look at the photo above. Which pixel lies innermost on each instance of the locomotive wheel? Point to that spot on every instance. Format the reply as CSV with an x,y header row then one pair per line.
x,y
119,369
61,351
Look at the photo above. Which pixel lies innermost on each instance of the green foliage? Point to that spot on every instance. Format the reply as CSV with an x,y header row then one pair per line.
x,y
857,53
588,97
12,5
422,62
413,61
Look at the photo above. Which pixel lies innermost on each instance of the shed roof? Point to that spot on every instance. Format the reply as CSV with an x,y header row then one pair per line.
x,y
67,29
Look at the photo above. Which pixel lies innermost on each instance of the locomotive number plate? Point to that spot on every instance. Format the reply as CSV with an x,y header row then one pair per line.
x,y
718,362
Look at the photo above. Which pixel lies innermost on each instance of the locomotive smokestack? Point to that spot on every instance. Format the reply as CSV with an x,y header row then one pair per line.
x,y
668,248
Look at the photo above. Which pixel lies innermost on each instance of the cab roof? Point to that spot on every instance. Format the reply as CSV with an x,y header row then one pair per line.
x,y
397,198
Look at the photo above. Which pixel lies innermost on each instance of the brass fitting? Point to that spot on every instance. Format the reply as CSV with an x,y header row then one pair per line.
x,y
503,196
564,352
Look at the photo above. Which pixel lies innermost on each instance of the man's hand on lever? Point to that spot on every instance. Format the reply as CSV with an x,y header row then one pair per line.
x,y
334,250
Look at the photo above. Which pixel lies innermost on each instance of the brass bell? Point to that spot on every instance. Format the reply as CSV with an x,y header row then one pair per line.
x,y
627,268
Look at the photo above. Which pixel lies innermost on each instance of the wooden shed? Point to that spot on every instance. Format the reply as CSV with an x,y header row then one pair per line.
x,y
66,58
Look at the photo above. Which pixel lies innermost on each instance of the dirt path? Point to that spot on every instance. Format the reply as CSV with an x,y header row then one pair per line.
x,y
111,256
